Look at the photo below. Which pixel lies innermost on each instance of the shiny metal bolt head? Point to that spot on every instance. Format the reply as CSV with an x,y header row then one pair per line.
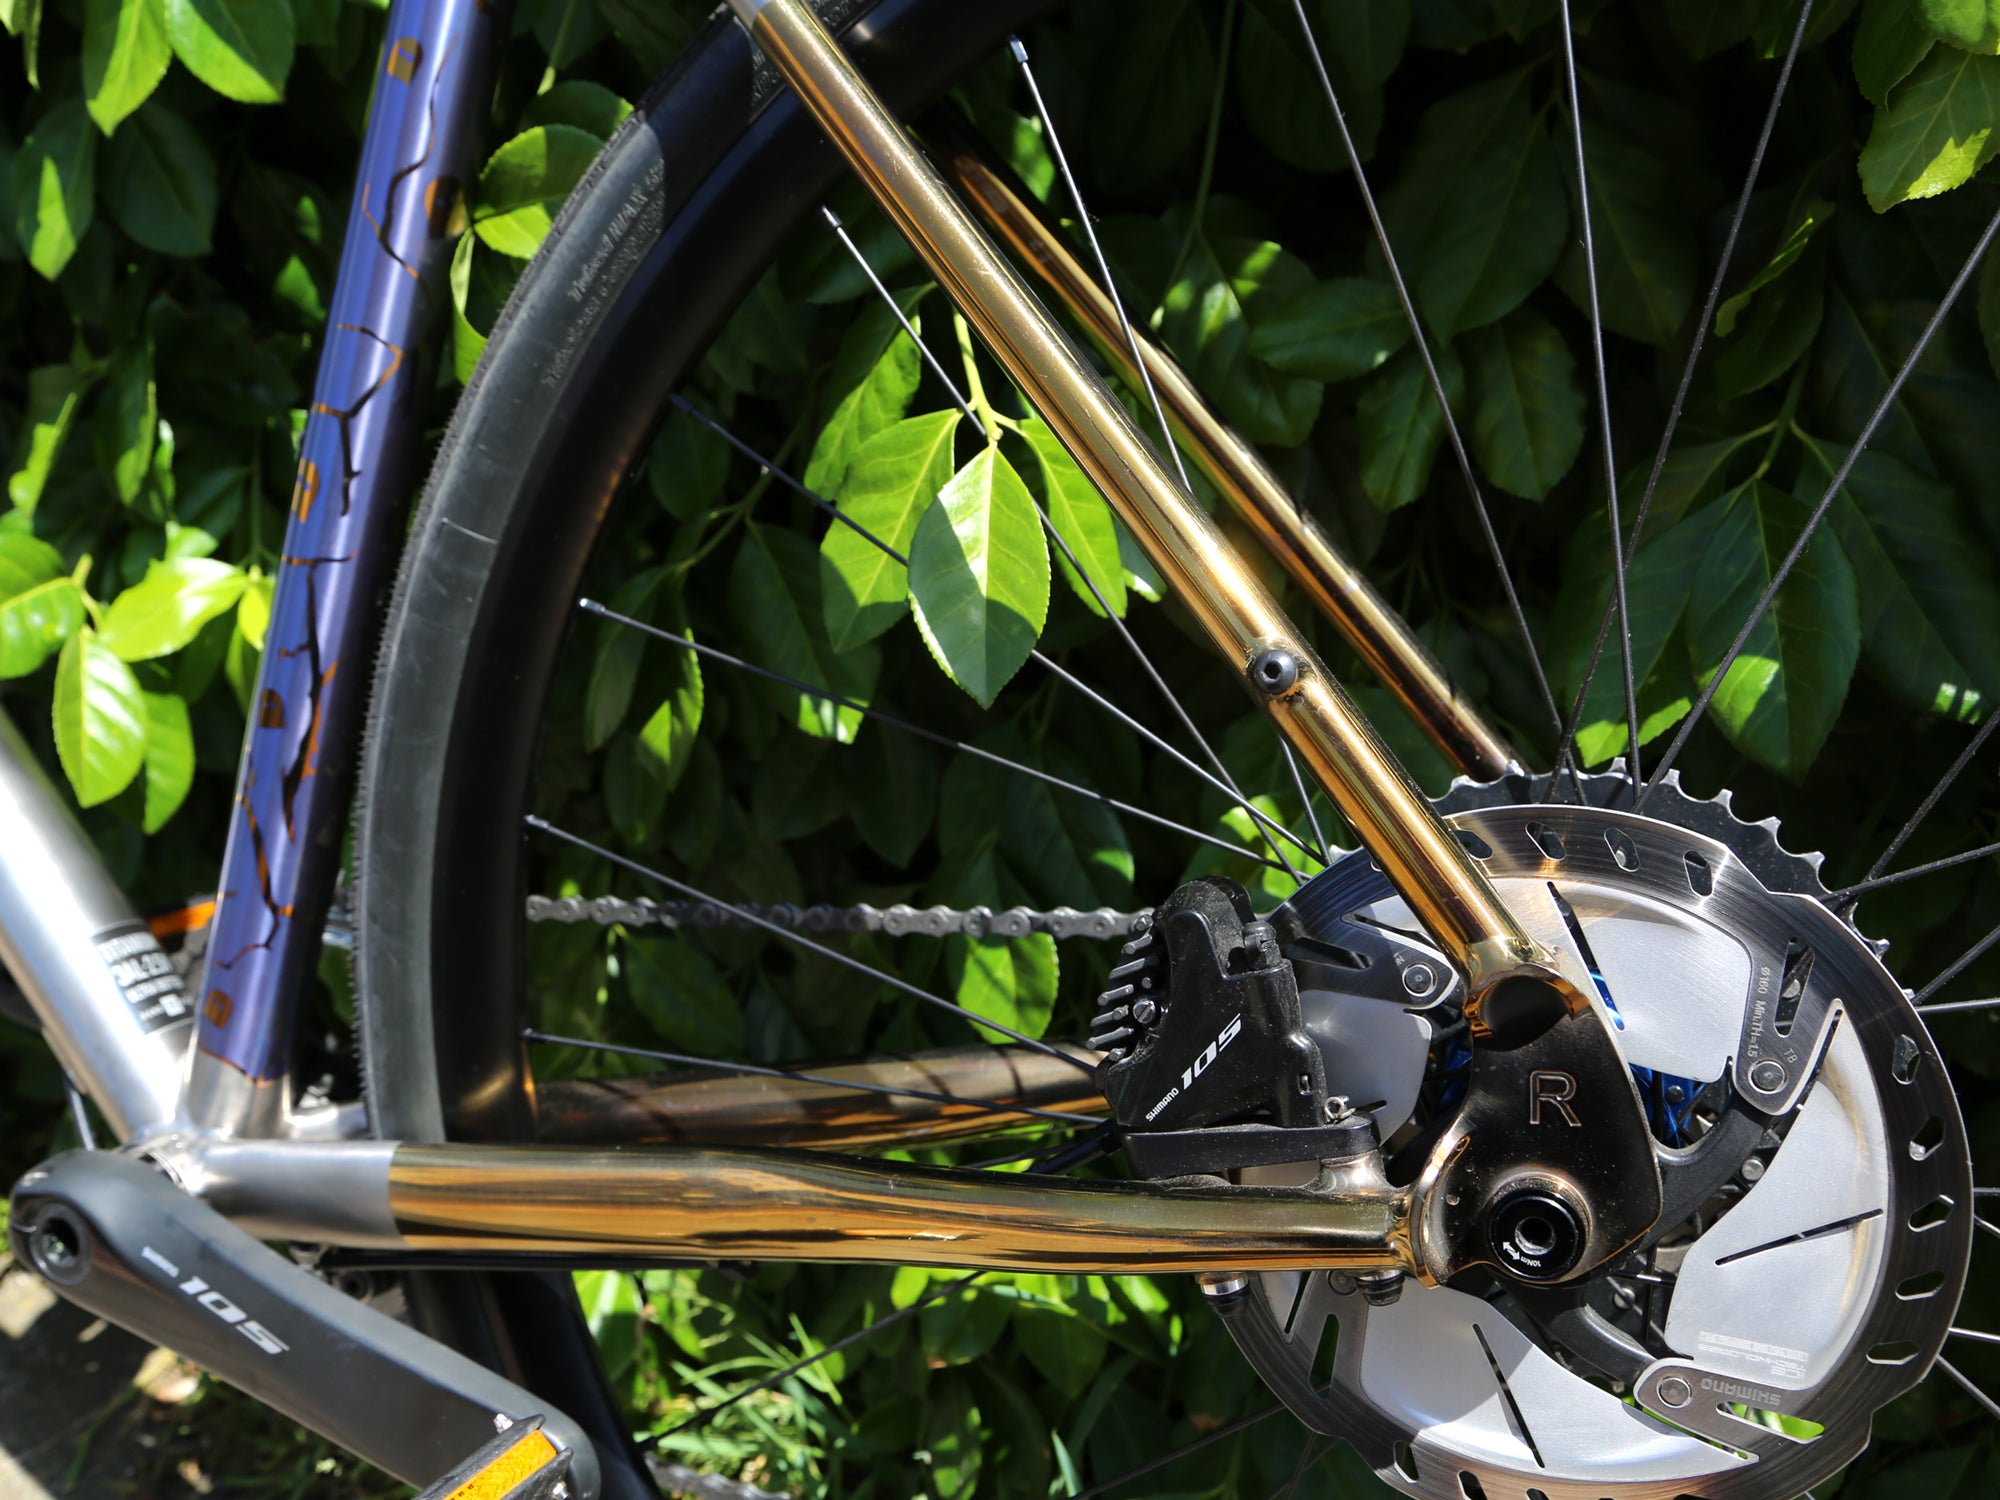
x,y
1145,1012
1223,1284
1419,980
1273,671
1675,1392
1753,1169
1769,1076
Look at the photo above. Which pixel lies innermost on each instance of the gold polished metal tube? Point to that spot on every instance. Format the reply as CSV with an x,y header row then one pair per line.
x,y
1301,546
823,1116
1444,887
726,1203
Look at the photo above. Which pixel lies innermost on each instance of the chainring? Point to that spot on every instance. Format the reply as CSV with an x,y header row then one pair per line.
x,y
1800,1299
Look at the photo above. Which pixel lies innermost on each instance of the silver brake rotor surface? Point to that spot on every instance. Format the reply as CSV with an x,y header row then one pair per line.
x,y
1819,1286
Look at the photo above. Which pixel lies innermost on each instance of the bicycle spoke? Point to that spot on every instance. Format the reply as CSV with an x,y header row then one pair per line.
x,y
1227,1429
1992,1406
1097,250
542,825
1931,800
1701,327
754,1070
1314,1446
1958,967
1305,797
1431,372
715,653
1861,887
896,311
1875,420
1223,783
1975,1335
1619,600
1951,1005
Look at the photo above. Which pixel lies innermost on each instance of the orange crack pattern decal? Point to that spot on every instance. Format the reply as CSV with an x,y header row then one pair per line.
x,y
365,428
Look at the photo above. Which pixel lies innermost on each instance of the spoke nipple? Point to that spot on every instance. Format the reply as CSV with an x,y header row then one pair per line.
x,y
1020,50
1274,671
832,218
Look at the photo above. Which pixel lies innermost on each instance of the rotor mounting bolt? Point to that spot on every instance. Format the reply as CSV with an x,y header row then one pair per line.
x,y
1674,1392
1753,1169
1380,1288
1274,671
1419,980
1769,1076
1222,1286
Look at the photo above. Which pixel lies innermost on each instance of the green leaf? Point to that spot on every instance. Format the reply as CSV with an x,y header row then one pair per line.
x,y
159,182
893,478
1480,201
689,466
1333,330
169,758
1527,407
1208,314
240,48
1930,618
577,101
1073,850
668,735
23,18
1401,425
1279,91
128,421
40,607
774,604
1081,518
54,182
1157,77
54,393
1781,697
893,798
164,610
1645,248
1657,588
524,183
467,341
1891,40
100,719
1066,1348
125,55
979,576
621,650
1706,27
1012,981
1808,219
1936,132
682,995
1781,327
1973,25
875,374
634,798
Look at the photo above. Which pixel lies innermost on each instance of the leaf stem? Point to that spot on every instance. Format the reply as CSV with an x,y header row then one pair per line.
x,y
1206,180
975,388
1783,425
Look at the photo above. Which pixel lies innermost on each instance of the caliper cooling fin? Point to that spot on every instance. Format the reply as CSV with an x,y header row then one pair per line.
x,y
1813,1161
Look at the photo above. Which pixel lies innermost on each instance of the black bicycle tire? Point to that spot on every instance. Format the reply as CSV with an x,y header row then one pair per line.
x,y
679,214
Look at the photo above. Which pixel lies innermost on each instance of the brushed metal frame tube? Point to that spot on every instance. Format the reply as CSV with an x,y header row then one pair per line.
x,y
56,901
1446,890
733,1110
742,1204
1301,546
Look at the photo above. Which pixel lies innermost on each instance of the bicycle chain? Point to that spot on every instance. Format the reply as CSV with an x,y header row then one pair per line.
x,y
897,921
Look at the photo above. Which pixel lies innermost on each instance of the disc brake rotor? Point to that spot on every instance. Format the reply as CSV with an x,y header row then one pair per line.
x,y
1818,1224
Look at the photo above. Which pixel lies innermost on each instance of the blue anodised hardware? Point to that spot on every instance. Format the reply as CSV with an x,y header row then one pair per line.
x,y
357,467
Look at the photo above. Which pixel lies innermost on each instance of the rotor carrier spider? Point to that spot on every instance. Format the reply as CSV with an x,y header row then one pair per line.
x,y
1813,1168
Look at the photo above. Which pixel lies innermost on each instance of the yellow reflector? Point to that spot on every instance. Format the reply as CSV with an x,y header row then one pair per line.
x,y
498,1479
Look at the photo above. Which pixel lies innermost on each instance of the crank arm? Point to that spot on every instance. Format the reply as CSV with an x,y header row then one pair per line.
x,y
737,1203
114,1235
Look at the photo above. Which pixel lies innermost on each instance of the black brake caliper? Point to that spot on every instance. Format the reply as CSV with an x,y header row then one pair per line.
x,y
1209,1065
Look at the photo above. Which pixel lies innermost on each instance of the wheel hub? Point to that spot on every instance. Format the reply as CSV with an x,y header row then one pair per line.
x,y
1814,1170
